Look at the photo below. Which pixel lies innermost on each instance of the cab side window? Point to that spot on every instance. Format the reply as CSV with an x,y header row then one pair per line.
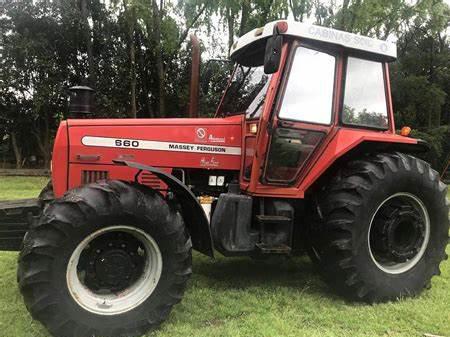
x,y
364,95
309,92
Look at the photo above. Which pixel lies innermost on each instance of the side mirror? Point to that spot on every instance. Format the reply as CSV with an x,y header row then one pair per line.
x,y
272,55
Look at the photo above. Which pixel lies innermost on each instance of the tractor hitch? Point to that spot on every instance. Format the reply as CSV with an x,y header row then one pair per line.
x,y
15,219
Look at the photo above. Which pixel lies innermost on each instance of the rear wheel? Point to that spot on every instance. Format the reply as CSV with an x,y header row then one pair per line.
x,y
107,259
383,229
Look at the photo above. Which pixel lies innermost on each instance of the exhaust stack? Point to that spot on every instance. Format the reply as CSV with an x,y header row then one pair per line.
x,y
81,103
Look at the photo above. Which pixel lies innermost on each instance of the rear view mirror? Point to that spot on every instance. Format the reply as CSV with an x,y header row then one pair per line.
x,y
272,55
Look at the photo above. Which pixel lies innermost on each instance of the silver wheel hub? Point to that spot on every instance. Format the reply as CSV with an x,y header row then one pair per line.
x,y
399,233
114,270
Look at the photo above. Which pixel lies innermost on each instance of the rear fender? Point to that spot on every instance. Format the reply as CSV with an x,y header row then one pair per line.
x,y
358,149
193,213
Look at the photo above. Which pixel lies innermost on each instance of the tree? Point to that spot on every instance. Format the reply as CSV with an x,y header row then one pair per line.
x,y
134,54
421,75
87,40
300,9
35,64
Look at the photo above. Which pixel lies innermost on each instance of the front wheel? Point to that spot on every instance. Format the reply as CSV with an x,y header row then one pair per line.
x,y
384,227
107,259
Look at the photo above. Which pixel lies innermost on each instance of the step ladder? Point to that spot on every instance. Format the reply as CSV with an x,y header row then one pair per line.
x,y
265,245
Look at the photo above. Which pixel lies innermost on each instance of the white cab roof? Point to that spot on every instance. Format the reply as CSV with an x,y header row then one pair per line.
x,y
318,33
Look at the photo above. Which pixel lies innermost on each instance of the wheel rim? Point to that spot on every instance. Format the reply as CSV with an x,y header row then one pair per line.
x,y
399,233
114,270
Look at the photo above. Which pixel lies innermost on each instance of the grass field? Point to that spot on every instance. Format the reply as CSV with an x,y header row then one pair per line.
x,y
239,297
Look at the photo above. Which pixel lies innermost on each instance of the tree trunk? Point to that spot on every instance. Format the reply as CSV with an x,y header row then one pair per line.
x,y
44,147
157,16
17,150
88,41
133,112
293,9
42,137
130,14
245,13
433,120
230,21
353,14
143,69
302,9
344,12
298,9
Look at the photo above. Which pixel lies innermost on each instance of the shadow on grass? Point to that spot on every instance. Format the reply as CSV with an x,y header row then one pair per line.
x,y
276,272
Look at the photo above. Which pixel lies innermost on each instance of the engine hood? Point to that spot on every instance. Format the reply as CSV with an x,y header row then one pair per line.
x,y
210,143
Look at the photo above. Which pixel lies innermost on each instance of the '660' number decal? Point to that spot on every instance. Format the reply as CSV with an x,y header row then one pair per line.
x,y
127,143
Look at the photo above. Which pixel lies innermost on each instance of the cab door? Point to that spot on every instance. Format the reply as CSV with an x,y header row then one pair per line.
x,y
303,115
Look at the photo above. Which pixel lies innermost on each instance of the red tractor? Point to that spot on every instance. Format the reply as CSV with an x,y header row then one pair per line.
x,y
302,156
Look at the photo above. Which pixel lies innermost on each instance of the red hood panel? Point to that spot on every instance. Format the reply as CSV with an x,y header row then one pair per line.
x,y
185,143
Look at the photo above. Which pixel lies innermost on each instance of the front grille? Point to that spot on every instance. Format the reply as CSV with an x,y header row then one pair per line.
x,y
91,176
149,179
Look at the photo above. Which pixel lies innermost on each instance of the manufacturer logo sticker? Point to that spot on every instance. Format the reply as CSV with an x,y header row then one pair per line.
x,y
201,133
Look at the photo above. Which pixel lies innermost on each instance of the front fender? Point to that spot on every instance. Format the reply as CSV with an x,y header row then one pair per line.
x,y
193,214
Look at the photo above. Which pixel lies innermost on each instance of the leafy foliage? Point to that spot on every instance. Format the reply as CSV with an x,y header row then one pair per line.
x,y
439,142
364,118
133,52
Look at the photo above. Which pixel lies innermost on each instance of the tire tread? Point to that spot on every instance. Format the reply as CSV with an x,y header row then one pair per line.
x,y
338,205
61,217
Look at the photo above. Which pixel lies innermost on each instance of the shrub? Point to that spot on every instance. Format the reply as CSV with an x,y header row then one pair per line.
x,y
439,141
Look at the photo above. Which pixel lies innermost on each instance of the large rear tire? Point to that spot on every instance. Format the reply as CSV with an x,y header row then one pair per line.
x,y
384,227
107,259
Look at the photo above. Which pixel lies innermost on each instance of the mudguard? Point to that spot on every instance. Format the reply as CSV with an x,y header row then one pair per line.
x,y
193,213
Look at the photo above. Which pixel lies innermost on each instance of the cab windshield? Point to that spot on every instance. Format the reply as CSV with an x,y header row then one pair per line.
x,y
246,92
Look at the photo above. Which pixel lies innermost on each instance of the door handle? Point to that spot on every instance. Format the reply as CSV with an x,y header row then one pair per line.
x,y
285,124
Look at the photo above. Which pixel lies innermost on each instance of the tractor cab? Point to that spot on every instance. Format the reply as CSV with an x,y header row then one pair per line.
x,y
300,87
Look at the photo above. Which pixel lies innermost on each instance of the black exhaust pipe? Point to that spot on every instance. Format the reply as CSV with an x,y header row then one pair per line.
x,y
81,102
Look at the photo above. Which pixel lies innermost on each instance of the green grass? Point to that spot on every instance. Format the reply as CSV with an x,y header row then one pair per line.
x,y
21,187
239,297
